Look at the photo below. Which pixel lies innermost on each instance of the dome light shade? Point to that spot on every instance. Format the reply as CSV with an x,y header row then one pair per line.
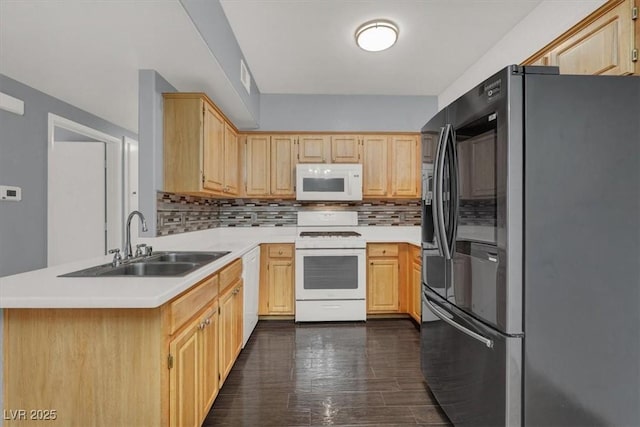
x,y
377,35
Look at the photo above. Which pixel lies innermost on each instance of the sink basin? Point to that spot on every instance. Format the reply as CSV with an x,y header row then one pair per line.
x,y
197,257
160,264
151,269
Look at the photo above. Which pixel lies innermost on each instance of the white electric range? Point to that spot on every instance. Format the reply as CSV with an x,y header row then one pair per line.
x,y
330,267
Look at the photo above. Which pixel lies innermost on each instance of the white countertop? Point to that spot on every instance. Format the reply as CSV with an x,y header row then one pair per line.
x,y
43,289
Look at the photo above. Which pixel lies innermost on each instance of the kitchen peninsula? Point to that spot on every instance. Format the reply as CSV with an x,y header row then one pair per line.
x,y
121,351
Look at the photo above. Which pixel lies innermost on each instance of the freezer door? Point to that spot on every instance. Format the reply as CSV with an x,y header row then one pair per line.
x,y
473,370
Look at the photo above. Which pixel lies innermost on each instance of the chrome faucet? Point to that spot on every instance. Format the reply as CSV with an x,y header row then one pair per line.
x,y
128,253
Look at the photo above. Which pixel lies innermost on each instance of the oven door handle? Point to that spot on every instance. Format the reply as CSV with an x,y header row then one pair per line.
x,y
443,316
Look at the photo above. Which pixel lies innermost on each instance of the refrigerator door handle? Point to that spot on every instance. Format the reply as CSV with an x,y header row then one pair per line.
x,y
453,191
437,194
486,341
438,202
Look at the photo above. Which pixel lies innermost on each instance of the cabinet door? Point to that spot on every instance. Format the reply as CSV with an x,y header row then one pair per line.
x,y
238,318
404,166
213,149
184,381
603,45
283,166
382,285
416,290
313,149
345,149
209,353
483,179
231,162
258,165
374,165
226,334
280,286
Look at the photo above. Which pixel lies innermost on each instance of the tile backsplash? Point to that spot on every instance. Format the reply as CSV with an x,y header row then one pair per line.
x,y
179,213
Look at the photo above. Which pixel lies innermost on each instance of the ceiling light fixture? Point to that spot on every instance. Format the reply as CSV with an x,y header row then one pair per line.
x,y
377,35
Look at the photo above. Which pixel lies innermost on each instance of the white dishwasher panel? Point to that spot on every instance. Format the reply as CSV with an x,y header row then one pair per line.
x,y
251,277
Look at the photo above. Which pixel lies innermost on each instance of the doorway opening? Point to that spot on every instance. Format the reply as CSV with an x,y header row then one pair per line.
x,y
86,196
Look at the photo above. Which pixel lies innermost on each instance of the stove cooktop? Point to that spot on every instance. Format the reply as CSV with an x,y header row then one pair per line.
x,y
330,234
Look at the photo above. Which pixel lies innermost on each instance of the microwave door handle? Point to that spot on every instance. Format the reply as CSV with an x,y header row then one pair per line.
x,y
443,316
435,201
439,199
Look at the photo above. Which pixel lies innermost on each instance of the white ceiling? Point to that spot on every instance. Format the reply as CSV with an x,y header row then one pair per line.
x,y
88,53
308,47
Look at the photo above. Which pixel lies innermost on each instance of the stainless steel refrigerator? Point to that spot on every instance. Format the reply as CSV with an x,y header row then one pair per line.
x,y
531,247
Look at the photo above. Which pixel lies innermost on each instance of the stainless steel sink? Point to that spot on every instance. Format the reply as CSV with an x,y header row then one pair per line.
x,y
197,257
160,264
151,269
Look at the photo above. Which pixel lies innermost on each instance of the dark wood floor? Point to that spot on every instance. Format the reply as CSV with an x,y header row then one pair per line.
x,y
365,374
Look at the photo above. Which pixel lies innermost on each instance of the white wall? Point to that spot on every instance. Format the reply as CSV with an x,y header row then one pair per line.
x,y
546,22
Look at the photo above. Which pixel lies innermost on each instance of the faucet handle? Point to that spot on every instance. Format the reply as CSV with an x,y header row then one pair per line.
x,y
139,249
117,258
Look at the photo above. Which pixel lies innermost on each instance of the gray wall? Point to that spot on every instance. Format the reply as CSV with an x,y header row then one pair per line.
x,y
345,112
210,20
151,86
23,162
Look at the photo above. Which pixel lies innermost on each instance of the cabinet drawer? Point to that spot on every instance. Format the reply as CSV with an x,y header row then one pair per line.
x,y
382,249
187,305
230,274
281,251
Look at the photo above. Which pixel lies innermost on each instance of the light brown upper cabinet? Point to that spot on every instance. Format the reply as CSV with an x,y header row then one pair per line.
x,y
405,166
391,166
605,42
374,165
345,148
200,147
231,183
314,149
270,166
258,165
283,161
390,162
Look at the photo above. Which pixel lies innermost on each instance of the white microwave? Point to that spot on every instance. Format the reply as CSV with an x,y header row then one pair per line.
x,y
329,181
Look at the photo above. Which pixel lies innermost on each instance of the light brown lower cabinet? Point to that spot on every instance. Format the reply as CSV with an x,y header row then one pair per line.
x,y
193,377
124,367
414,282
276,296
383,278
230,328
394,279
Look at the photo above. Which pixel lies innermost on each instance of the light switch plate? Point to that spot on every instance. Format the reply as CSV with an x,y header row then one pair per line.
x,y
10,194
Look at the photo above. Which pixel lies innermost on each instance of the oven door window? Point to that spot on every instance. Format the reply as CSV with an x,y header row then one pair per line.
x,y
330,272
323,185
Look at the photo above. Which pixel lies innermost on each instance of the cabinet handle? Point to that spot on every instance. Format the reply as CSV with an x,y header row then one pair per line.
x,y
201,326
279,252
384,251
208,321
